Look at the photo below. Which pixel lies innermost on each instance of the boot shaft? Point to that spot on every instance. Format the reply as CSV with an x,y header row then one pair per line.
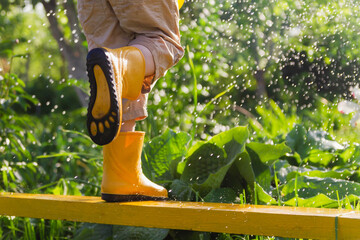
x,y
129,69
122,157
123,177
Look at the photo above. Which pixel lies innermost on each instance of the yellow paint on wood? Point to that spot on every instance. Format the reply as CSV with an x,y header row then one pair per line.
x,y
293,222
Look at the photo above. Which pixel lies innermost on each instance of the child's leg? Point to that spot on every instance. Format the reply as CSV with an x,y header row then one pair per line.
x,y
149,60
152,26
155,26
102,29
100,25
128,126
114,74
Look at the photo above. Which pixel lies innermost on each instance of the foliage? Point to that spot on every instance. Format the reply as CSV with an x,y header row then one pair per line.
x,y
247,116
25,34
274,164
14,138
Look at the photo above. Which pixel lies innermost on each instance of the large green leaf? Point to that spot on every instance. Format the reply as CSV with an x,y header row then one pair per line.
x,y
323,141
286,172
283,170
207,166
262,156
268,153
180,191
92,231
322,201
302,141
138,233
238,133
191,235
350,157
159,154
344,174
208,159
297,140
244,166
320,158
308,187
221,195
264,197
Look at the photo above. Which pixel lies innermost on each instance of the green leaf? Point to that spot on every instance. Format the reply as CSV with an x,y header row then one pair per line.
x,y
161,151
268,153
351,155
60,154
221,195
180,191
323,141
138,233
338,174
194,147
262,156
16,141
264,197
239,134
311,186
277,110
321,201
208,159
192,235
244,166
302,141
261,171
320,158
297,140
207,166
91,231
285,172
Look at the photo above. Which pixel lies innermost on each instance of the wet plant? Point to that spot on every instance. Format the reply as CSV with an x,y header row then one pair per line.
x,y
248,116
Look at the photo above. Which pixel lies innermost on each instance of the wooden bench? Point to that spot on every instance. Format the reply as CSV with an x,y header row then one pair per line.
x,y
295,222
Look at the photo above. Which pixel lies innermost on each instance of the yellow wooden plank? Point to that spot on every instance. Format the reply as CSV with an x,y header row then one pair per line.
x,y
350,224
210,217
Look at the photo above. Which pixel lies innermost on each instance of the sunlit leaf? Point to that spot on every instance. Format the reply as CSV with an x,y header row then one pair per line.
x,y
207,166
308,187
161,152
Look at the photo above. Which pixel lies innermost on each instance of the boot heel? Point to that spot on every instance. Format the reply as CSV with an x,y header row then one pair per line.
x,y
129,198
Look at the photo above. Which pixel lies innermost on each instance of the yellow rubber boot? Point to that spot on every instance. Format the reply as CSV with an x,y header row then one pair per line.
x,y
123,179
113,74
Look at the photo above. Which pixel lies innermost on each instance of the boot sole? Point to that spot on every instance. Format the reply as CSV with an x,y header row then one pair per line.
x,y
107,126
129,198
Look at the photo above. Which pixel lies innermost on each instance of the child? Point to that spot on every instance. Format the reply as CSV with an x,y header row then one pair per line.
x,y
132,43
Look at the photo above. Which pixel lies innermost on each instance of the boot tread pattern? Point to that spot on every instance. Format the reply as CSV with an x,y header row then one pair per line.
x,y
104,129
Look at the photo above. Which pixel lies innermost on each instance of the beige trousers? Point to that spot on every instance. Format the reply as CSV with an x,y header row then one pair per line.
x,y
153,24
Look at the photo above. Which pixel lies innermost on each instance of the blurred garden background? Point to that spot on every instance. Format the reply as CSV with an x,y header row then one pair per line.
x,y
249,115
